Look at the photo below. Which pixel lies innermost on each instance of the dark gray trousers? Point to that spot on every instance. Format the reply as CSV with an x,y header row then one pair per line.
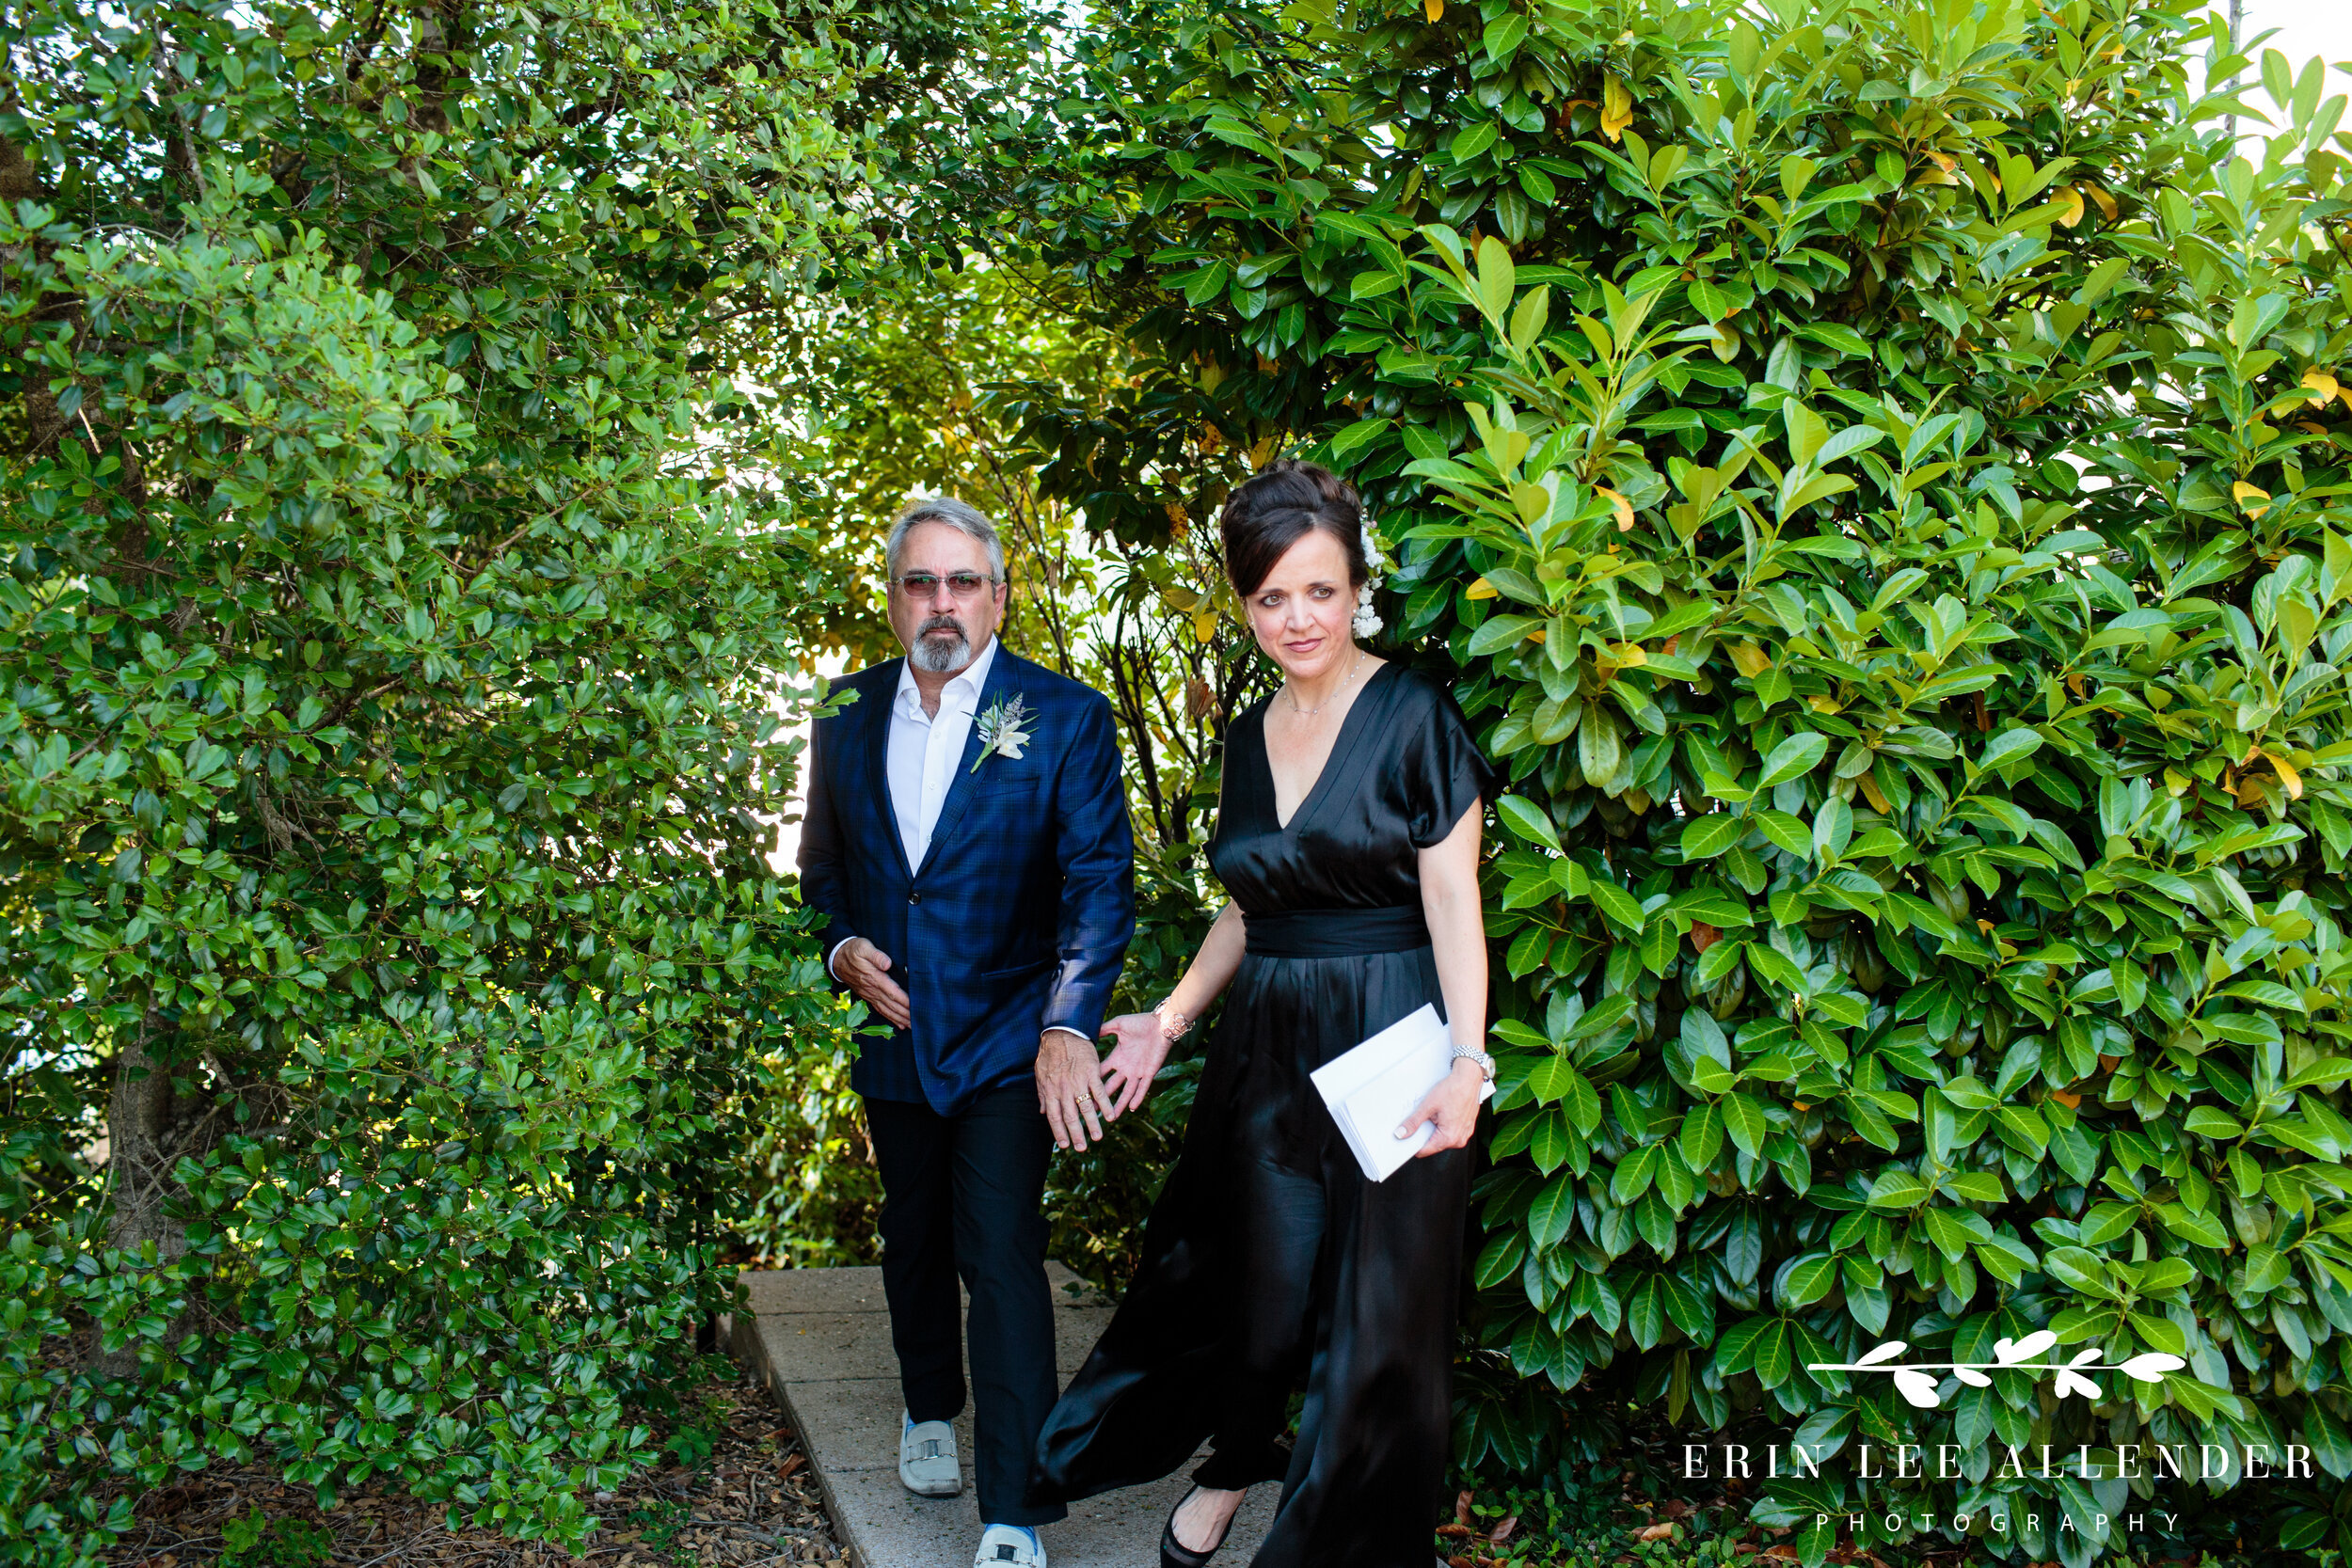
x,y
962,1197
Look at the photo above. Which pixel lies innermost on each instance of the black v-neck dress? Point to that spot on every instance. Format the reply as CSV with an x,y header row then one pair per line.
x,y
1269,1258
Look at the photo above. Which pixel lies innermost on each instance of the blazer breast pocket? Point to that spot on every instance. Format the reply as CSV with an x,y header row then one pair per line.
x,y
996,781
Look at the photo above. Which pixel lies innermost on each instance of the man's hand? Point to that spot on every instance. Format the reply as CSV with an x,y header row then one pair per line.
x,y
1070,1088
1135,1061
865,969
1453,1105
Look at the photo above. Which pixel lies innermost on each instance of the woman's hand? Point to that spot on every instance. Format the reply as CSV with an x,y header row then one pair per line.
x,y
1457,935
1453,1105
1135,1061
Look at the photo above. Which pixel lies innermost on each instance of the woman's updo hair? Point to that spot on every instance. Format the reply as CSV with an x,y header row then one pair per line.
x,y
1282,504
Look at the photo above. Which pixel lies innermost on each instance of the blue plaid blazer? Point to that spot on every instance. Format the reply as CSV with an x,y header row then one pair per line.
x,y
1021,913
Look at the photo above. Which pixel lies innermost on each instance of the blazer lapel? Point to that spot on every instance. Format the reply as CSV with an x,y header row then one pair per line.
x,y
877,739
961,790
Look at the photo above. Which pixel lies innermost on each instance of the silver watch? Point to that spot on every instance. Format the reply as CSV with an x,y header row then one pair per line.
x,y
1485,1063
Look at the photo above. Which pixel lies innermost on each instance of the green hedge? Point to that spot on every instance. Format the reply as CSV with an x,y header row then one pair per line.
x,y
390,676
1879,475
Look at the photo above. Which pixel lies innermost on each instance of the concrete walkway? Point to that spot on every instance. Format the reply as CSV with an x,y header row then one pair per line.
x,y
821,1339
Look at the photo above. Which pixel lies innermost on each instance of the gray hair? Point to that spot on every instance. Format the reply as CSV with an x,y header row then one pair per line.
x,y
956,515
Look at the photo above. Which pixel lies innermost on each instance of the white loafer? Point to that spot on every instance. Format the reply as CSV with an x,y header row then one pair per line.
x,y
1007,1546
927,1463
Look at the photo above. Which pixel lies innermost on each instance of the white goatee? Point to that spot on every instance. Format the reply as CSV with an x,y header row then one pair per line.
x,y
938,656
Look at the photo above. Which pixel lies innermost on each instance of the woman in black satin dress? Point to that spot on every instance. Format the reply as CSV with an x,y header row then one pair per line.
x,y
1347,837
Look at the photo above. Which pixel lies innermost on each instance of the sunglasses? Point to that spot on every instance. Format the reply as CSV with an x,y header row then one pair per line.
x,y
924,585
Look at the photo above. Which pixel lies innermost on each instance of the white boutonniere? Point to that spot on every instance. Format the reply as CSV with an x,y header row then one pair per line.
x,y
1003,730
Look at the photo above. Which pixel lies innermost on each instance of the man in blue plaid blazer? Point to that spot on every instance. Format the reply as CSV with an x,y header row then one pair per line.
x,y
967,835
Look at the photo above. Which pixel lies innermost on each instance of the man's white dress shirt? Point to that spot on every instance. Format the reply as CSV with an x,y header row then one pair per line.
x,y
926,750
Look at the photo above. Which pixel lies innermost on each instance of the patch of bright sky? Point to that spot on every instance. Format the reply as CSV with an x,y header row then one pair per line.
x,y
2300,30
2305,28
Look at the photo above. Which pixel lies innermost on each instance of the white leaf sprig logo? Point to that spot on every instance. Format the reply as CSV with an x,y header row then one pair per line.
x,y
1003,730
1914,1382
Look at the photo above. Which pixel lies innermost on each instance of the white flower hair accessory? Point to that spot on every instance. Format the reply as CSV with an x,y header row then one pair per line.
x,y
1368,621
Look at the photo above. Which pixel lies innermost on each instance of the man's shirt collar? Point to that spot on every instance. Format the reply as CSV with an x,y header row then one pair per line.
x,y
962,691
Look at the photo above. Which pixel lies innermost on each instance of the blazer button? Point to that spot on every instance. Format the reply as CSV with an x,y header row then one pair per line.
x,y
915,897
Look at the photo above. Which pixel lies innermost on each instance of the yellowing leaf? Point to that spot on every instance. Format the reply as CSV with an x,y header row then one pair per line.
x,y
1875,796
1752,660
1481,589
1626,655
1822,705
1204,626
2071,204
1619,504
2321,385
2105,202
2175,783
2246,494
2287,775
1433,9
1617,109
1537,634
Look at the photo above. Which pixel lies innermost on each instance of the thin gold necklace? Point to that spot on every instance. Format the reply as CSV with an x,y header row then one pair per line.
x,y
1311,712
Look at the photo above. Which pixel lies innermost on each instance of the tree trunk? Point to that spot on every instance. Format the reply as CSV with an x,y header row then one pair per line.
x,y
138,1160
2237,23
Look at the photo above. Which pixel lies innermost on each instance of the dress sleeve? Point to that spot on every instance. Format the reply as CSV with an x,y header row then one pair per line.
x,y
1445,774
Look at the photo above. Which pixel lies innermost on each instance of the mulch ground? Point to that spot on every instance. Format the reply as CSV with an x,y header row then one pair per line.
x,y
752,1503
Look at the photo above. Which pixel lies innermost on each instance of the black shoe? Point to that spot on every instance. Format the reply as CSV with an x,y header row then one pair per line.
x,y
1173,1554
